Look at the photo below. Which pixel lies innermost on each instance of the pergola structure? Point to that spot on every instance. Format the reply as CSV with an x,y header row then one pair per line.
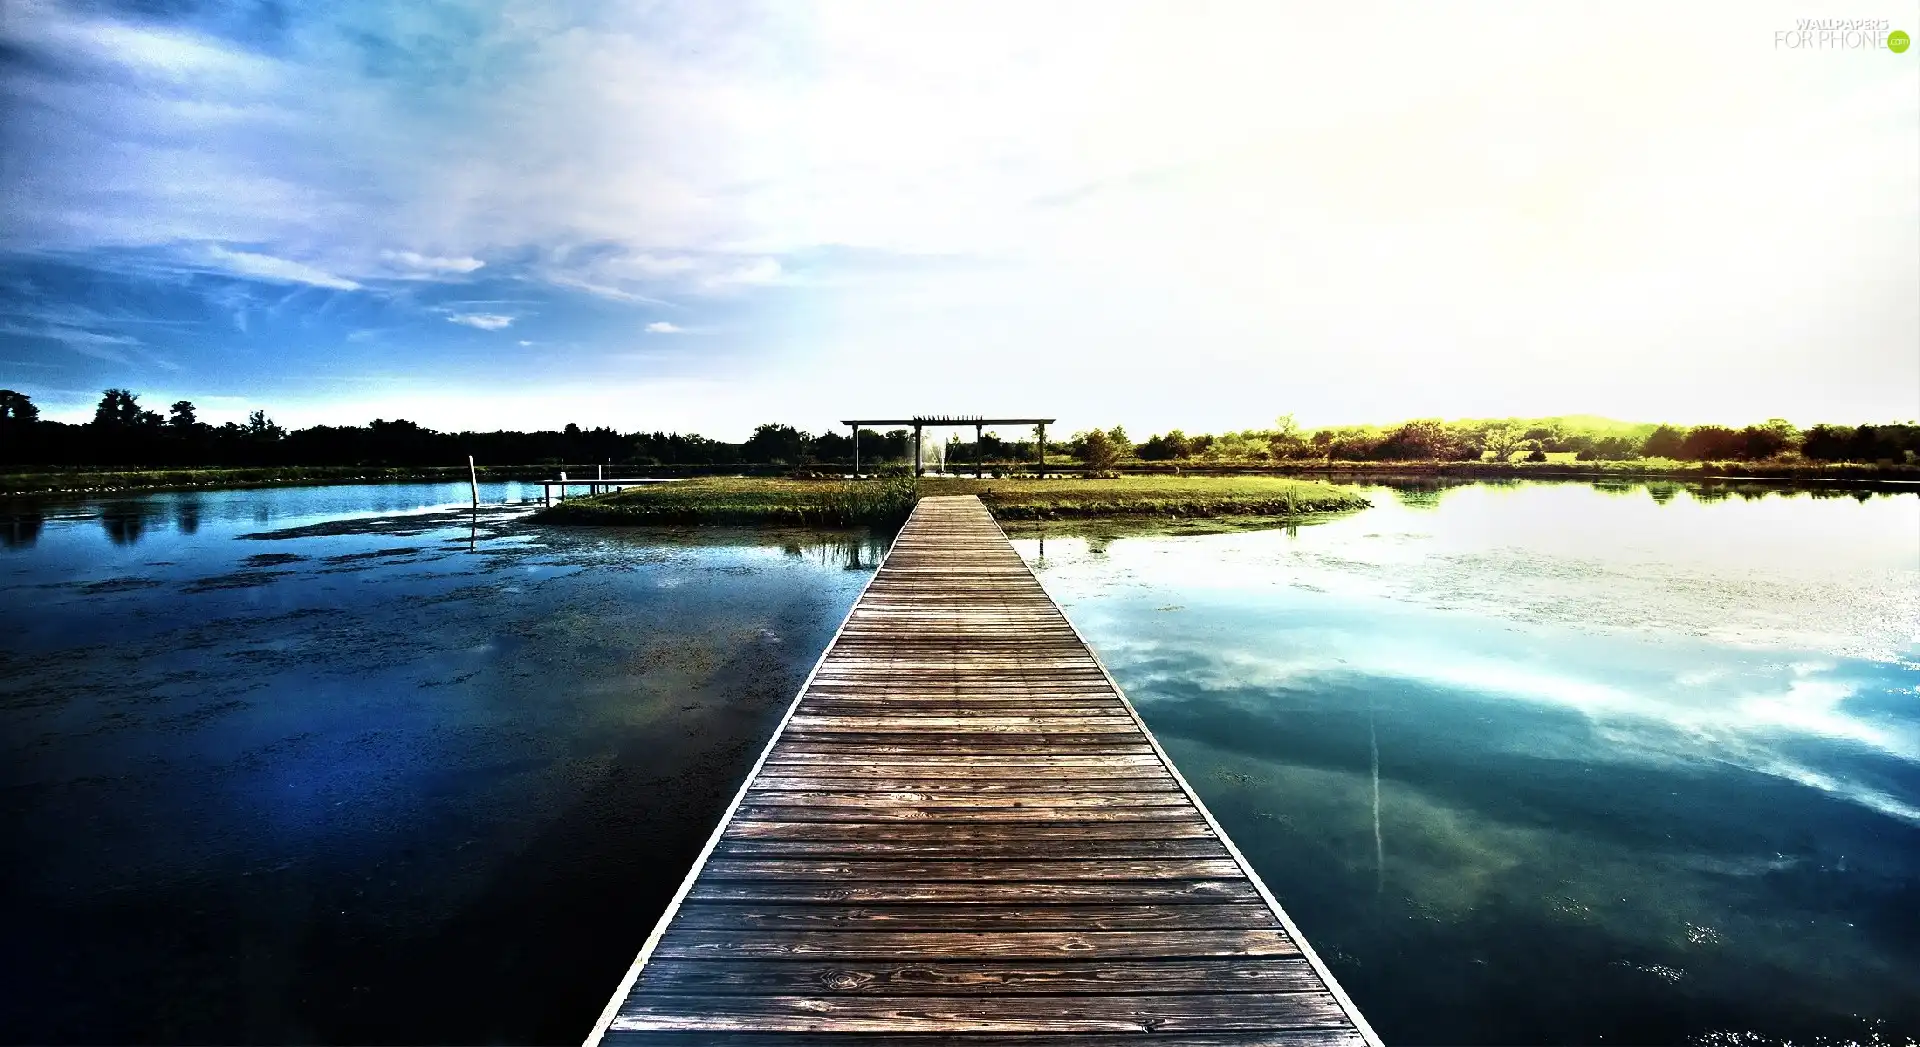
x,y
921,422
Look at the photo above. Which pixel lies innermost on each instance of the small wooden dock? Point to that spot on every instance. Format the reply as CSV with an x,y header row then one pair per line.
x,y
962,833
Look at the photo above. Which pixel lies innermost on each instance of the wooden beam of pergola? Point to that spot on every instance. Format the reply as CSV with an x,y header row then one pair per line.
x,y
921,422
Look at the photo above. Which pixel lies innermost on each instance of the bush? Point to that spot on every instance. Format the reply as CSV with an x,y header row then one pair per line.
x,y
1098,451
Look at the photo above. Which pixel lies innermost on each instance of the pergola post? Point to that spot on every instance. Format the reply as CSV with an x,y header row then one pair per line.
x,y
919,424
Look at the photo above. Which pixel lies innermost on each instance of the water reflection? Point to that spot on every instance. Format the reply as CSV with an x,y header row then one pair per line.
x,y
283,784
1653,766
125,522
850,552
1420,494
21,527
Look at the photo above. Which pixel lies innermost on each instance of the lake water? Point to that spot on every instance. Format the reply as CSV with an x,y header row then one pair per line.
x,y
334,764
1527,762
1547,763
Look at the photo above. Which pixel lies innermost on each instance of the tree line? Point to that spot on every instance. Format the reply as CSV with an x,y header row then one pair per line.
x,y
123,432
1533,440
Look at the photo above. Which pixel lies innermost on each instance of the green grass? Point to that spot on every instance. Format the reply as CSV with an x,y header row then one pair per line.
x,y
744,500
736,500
1164,496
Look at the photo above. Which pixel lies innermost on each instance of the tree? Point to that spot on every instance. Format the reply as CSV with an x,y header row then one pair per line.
x,y
1777,436
1122,446
1706,443
17,408
1765,441
182,415
1827,443
1285,441
832,447
1664,442
1097,451
260,427
118,409
1161,448
1545,437
776,443
1349,444
1422,439
1607,449
1501,442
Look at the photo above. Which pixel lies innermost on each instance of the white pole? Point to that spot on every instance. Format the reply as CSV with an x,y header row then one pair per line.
x,y
473,481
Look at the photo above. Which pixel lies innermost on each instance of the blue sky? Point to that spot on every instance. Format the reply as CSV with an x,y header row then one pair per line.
x,y
699,217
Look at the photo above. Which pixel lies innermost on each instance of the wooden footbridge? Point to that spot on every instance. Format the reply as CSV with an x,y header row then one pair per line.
x,y
962,833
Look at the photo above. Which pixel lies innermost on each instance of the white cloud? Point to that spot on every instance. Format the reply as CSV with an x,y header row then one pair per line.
x,y
413,263
275,270
483,321
663,327
759,272
109,347
1454,204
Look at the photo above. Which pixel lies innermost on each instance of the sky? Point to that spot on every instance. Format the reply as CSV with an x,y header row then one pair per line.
x,y
700,217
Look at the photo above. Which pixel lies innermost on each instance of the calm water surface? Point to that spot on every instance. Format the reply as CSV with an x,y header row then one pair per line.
x,y
335,764
1528,763
1551,763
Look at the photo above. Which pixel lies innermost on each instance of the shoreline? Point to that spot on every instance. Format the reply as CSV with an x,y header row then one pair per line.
x,y
887,501
98,481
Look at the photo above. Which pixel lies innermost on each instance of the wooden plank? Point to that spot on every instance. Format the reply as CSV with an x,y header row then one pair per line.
x,y
1022,871
1040,835
973,945
1004,892
963,835
960,738
1327,1037
960,786
889,977
938,755
961,813
1062,847
1226,915
978,801
982,765
1254,1012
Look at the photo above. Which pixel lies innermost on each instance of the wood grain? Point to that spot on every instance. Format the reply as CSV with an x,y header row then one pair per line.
x,y
963,835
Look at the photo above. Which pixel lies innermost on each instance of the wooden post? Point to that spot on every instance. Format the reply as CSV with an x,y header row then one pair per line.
x,y
916,450
563,485
473,481
979,456
856,450
599,473
1042,427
